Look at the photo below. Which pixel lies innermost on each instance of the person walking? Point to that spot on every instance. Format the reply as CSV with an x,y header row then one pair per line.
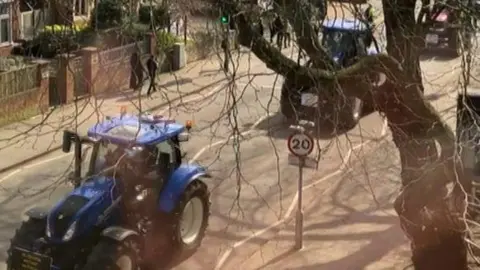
x,y
369,15
287,36
279,30
152,67
136,72
260,26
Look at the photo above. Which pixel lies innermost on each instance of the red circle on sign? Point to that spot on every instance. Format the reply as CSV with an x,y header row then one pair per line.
x,y
300,144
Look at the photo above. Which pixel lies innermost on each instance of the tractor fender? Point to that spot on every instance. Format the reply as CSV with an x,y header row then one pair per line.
x,y
179,181
118,233
37,213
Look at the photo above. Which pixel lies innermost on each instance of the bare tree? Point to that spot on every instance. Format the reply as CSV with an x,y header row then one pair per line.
x,y
435,223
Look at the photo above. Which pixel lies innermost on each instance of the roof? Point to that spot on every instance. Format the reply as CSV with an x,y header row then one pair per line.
x,y
345,24
132,129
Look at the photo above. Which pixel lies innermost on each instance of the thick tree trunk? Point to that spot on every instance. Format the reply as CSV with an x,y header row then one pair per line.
x,y
437,242
402,34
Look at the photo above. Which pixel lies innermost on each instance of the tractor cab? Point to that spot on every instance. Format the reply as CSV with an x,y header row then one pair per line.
x,y
146,145
347,39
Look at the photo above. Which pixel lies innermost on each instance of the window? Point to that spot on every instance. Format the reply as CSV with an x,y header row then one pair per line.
x,y
165,147
4,9
4,30
126,132
80,7
5,22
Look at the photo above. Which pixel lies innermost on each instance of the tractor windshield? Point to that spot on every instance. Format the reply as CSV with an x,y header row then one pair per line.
x,y
109,156
337,42
97,157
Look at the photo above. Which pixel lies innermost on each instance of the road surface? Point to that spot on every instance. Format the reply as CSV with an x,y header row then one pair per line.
x,y
257,165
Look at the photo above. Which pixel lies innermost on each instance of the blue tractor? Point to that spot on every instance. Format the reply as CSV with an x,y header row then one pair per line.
x,y
134,205
345,40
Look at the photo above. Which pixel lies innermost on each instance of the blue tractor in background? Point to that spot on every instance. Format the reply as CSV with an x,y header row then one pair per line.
x,y
345,40
135,205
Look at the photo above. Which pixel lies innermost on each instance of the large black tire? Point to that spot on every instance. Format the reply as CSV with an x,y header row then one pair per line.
x,y
181,249
350,114
288,99
455,43
107,253
25,236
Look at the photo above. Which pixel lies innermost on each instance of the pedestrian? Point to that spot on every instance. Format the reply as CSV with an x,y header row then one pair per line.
x,y
287,37
279,30
152,67
136,72
272,28
260,27
370,15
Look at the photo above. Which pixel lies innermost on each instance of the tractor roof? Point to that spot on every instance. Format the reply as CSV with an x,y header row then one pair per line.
x,y
143,130
345,24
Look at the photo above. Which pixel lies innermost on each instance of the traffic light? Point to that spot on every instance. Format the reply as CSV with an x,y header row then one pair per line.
x,y
225,19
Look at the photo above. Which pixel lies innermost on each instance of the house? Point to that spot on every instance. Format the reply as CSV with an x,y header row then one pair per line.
x,y
67,12
9,25
34,15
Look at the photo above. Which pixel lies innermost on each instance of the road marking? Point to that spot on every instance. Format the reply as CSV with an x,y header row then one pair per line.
x,y
223,259
9,175
45,161
246,132
196,97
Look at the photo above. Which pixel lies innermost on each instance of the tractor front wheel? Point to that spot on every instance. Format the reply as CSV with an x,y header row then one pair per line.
x,y
110,254
189,221
25,236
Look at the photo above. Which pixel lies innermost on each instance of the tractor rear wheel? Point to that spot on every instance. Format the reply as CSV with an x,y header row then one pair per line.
x,y
110,254
189,221
350,113
25,236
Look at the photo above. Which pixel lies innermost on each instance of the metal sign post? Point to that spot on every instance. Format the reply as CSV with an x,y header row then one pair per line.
x,y
300,145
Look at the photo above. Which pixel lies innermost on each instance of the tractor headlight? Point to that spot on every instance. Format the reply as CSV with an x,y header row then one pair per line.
x,y
70,232
48,232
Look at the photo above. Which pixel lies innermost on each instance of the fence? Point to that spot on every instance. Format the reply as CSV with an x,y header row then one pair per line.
x,y
68,77
18,81
23,91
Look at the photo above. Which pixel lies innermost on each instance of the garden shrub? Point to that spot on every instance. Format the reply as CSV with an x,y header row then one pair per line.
x,y
56,39
110,14
165,40
160,17
203,44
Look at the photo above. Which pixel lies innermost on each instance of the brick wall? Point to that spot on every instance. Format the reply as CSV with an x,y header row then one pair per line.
x,y
5,50
111,69
16,14
101,71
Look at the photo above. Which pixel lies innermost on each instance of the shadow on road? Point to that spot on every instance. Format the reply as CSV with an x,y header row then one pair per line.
x,y
356,234
277,122
435,55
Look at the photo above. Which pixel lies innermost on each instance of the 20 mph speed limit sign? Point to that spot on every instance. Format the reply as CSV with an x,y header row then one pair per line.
x,y
300,144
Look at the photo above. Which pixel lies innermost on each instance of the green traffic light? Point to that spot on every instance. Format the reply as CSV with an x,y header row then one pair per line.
x,y
224,19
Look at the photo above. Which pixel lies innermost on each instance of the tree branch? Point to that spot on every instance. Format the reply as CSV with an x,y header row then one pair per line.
x,y
300,14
